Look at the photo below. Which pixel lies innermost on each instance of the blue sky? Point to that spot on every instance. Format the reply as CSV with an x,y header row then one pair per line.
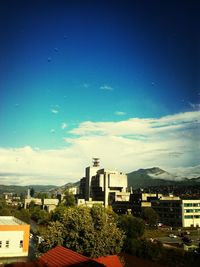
x,y
64,63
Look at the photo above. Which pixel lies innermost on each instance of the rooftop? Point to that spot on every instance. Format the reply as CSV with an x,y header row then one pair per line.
x,y
10,220
60,256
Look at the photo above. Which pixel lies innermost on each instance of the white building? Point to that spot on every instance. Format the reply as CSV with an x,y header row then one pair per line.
x,y
191,213
14,237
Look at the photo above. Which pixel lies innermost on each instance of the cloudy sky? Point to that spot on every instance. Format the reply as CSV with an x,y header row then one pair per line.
x,y
117,80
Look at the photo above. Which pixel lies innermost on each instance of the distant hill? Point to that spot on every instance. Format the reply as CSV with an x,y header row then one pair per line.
x,y
157,177
64,187
23,189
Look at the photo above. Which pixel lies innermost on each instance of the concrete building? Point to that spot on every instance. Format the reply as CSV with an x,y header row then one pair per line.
x,y
103,185
109,186
14,237
90,172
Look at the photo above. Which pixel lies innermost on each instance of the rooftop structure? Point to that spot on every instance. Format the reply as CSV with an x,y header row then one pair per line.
x,y
96,162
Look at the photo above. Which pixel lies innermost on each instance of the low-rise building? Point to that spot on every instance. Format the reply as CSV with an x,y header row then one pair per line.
x,y
191,212
36,201
14,237
89,203
142,200
50,204
47,204
169,210
178,212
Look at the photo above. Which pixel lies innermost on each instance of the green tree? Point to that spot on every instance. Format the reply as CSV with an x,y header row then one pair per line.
x,y
31,205
53,236
105,227
42,195
58,213
6,211
70,200
23,215
92,232
32,192
133,226
150,216
134,229
40,216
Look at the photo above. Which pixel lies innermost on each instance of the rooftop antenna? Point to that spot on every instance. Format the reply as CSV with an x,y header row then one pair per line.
x,y
96,162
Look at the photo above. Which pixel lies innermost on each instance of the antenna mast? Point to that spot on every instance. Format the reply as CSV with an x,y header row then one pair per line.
x,y
96,162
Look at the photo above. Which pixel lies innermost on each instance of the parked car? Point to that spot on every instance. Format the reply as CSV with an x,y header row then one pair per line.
x,y
172,236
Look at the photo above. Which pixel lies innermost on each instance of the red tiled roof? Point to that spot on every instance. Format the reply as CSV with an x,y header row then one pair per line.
x,y
64,257
110,261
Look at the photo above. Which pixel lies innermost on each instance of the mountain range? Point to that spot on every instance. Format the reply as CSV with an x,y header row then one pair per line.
x,y
141,178
157,177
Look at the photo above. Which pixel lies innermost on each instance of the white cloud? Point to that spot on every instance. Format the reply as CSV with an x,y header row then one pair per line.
x,y
189,172
170,142
54,111
106,87
64,125
120,113
143,127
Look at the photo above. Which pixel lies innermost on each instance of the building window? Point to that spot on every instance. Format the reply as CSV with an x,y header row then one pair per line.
x,y
188,216
188,205
7,244
21,244
188,210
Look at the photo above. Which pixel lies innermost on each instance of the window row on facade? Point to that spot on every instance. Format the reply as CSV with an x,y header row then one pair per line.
x,y
191,210
192,216
191,204
6,244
